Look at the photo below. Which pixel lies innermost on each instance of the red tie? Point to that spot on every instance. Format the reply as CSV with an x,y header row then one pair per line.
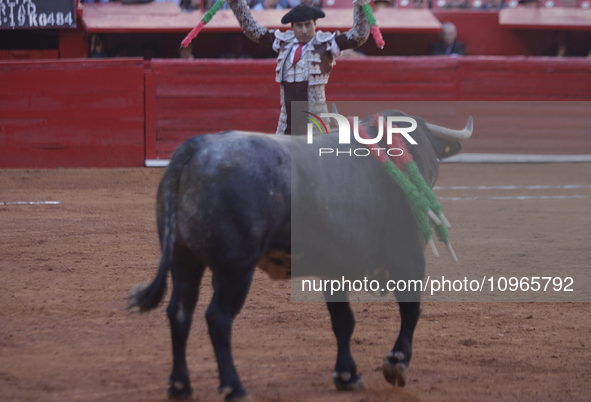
x,y
298,54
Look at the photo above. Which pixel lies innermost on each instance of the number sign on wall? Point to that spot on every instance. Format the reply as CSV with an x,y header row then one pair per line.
x,y
37,14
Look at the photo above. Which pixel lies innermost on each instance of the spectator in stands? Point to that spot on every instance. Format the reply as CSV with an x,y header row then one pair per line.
x,y
457,4
383,4
294,3
185,5
122,50
560,47
186,53
274,5
135,1
98,48
569,3
150,51
448,44
252,4
236,47
493,5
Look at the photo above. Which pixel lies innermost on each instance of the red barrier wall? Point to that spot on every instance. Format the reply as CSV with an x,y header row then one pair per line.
x,y
28,54
83,113
93,113
205,96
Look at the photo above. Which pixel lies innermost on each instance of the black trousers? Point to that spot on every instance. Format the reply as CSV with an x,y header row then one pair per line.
x,y
296,92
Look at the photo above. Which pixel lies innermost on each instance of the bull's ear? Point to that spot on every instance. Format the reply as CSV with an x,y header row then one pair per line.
x,y
448,149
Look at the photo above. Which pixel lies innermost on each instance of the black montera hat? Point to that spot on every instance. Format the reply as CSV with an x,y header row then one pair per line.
x,y
301,13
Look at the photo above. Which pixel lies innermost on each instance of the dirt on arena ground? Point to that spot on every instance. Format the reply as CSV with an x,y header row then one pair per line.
x,y
66,271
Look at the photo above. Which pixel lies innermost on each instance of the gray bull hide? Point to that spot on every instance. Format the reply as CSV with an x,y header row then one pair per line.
x,y
231,201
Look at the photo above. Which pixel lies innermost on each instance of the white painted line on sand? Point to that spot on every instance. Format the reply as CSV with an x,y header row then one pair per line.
x,y
511,187
31,203
468,158
516,158
519,197
156,162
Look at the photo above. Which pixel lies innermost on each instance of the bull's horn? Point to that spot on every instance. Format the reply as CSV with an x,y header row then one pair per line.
x,y
452,135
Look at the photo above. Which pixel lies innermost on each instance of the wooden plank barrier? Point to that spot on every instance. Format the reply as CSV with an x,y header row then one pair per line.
x,y
533,105
116,112
81,113
206,96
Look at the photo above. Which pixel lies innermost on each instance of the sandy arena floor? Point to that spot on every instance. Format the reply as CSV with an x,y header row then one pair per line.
x,y
66,271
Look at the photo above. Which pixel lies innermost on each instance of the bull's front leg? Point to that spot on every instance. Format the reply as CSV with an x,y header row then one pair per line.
x,y
345,374
230,290
396,364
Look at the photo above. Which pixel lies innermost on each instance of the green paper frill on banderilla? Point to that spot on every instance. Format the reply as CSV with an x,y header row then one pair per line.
x,y
206,18
373,24
422,203
418,203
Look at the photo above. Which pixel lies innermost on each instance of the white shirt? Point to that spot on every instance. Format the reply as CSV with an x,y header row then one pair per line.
x,y
334,48
294,48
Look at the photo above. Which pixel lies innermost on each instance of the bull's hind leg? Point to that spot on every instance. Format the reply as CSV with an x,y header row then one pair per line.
x,y
186,278
345,374
230,290
396,364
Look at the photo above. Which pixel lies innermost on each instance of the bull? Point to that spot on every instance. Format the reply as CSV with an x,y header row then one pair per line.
x,y
226,202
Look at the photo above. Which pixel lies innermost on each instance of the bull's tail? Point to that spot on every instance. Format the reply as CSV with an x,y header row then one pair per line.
x,y
147,297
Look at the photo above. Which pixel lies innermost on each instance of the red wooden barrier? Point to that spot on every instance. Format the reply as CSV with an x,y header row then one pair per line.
x,y
83,113
206,96
28,54
93,113
528,127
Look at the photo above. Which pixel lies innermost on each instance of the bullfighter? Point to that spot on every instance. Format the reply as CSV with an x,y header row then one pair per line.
x,y
305,55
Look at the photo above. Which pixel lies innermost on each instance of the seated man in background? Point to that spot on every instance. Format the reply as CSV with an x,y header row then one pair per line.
x,y
447,45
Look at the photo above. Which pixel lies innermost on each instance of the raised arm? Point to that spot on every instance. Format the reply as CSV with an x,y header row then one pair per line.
x,y
252,29
357,35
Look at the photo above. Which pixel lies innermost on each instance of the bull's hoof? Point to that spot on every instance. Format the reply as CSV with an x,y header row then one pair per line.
x,y
234,395
395,369
346,381
179,390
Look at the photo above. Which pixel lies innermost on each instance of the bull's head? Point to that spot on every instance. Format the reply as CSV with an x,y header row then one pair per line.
x,y
434,143
445,141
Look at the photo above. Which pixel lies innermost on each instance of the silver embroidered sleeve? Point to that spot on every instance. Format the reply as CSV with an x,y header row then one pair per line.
x,y
252,29
360,31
